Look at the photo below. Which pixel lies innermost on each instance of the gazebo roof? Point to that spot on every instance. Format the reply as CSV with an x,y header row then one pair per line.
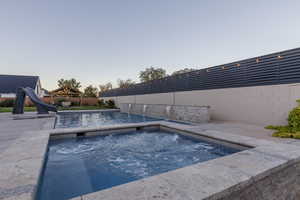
x,y
65,91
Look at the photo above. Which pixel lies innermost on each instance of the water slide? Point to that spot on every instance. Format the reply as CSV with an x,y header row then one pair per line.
x,y
42,108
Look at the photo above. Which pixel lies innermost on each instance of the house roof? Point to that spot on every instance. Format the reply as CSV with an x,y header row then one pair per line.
x,y
10,83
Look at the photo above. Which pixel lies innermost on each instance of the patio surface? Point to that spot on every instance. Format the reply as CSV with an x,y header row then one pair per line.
x,y
13,133
249,130
10,129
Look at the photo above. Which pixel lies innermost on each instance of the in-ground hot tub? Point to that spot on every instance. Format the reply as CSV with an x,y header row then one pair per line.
x,y
81,165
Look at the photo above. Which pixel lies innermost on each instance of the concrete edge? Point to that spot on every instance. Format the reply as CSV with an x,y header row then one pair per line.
x,y
90,111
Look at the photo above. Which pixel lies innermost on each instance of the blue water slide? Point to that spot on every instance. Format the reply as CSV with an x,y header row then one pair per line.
x,y
42,108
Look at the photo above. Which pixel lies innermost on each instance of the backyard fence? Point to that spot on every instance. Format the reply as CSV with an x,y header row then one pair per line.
x,y
272,69
76,101
84,101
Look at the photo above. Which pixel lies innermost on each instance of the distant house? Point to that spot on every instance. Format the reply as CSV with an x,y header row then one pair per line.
x,y
10,83
45,93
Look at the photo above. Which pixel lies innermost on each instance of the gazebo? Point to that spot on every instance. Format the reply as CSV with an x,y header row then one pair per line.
x,y
65,92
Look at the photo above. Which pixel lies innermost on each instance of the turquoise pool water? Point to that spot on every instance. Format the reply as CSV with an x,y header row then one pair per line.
x,y
90,119
87,164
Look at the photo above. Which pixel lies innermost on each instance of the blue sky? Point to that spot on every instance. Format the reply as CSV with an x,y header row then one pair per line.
x,y
97,41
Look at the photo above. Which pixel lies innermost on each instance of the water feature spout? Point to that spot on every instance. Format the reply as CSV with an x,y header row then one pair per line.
x,y
129,108
144,109
168,111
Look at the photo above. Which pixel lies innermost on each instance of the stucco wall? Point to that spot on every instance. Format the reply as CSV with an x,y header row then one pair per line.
x,y
262,105
161,98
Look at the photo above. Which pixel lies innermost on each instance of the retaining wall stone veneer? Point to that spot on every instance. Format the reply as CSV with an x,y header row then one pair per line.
x,y
195,114
283,184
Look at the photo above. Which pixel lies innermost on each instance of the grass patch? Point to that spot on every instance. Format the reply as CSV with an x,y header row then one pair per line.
x,y
9,109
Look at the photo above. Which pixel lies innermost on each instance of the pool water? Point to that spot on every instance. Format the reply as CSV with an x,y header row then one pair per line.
x,y
90,119
87,164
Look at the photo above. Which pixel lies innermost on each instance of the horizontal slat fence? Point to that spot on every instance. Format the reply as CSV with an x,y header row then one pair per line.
x,y
272,69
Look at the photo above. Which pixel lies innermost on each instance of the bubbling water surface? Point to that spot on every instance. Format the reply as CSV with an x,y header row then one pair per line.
x,y
78,166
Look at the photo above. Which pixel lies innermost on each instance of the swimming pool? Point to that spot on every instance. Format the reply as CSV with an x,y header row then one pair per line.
x,y
90,119
87,164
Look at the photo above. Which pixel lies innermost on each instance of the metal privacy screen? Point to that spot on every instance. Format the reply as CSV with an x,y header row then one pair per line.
x,y
272,69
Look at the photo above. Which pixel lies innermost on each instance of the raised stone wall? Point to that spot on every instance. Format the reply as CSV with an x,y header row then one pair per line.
x,y
282,184
263,105
196,114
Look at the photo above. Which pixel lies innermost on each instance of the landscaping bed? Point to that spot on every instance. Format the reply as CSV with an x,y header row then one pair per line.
x,y
292,129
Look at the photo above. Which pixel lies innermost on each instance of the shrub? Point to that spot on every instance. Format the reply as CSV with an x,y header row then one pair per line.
x,y
7,103
75,103
58,101
101,103
294,119
292,130
110,104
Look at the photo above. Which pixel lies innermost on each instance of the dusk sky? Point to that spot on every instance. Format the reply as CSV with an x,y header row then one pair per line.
x,y
97,41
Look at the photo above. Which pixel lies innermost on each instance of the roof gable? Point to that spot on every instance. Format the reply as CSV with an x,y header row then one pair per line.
x,y
66,91
10,83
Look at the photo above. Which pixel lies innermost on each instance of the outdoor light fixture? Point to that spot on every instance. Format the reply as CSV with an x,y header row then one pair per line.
x,y
238,64
257,60
223,67
279,56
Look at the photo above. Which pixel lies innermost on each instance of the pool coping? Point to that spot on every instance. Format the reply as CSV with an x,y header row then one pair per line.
x,y
89,111
228,173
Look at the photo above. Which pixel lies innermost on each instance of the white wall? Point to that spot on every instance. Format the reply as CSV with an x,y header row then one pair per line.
x,y
262,105
7,95
161,98
38,89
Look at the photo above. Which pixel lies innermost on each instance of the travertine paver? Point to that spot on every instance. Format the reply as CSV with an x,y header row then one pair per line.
x,y
20,165
10,129
23,145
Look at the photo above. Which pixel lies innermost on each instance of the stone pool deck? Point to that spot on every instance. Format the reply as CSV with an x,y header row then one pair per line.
x,y
19,164
23,145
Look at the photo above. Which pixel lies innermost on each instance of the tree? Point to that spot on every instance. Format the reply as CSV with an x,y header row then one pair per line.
x,y
90,91
151,73
67,88
125,83
105,87
71,84
181,71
